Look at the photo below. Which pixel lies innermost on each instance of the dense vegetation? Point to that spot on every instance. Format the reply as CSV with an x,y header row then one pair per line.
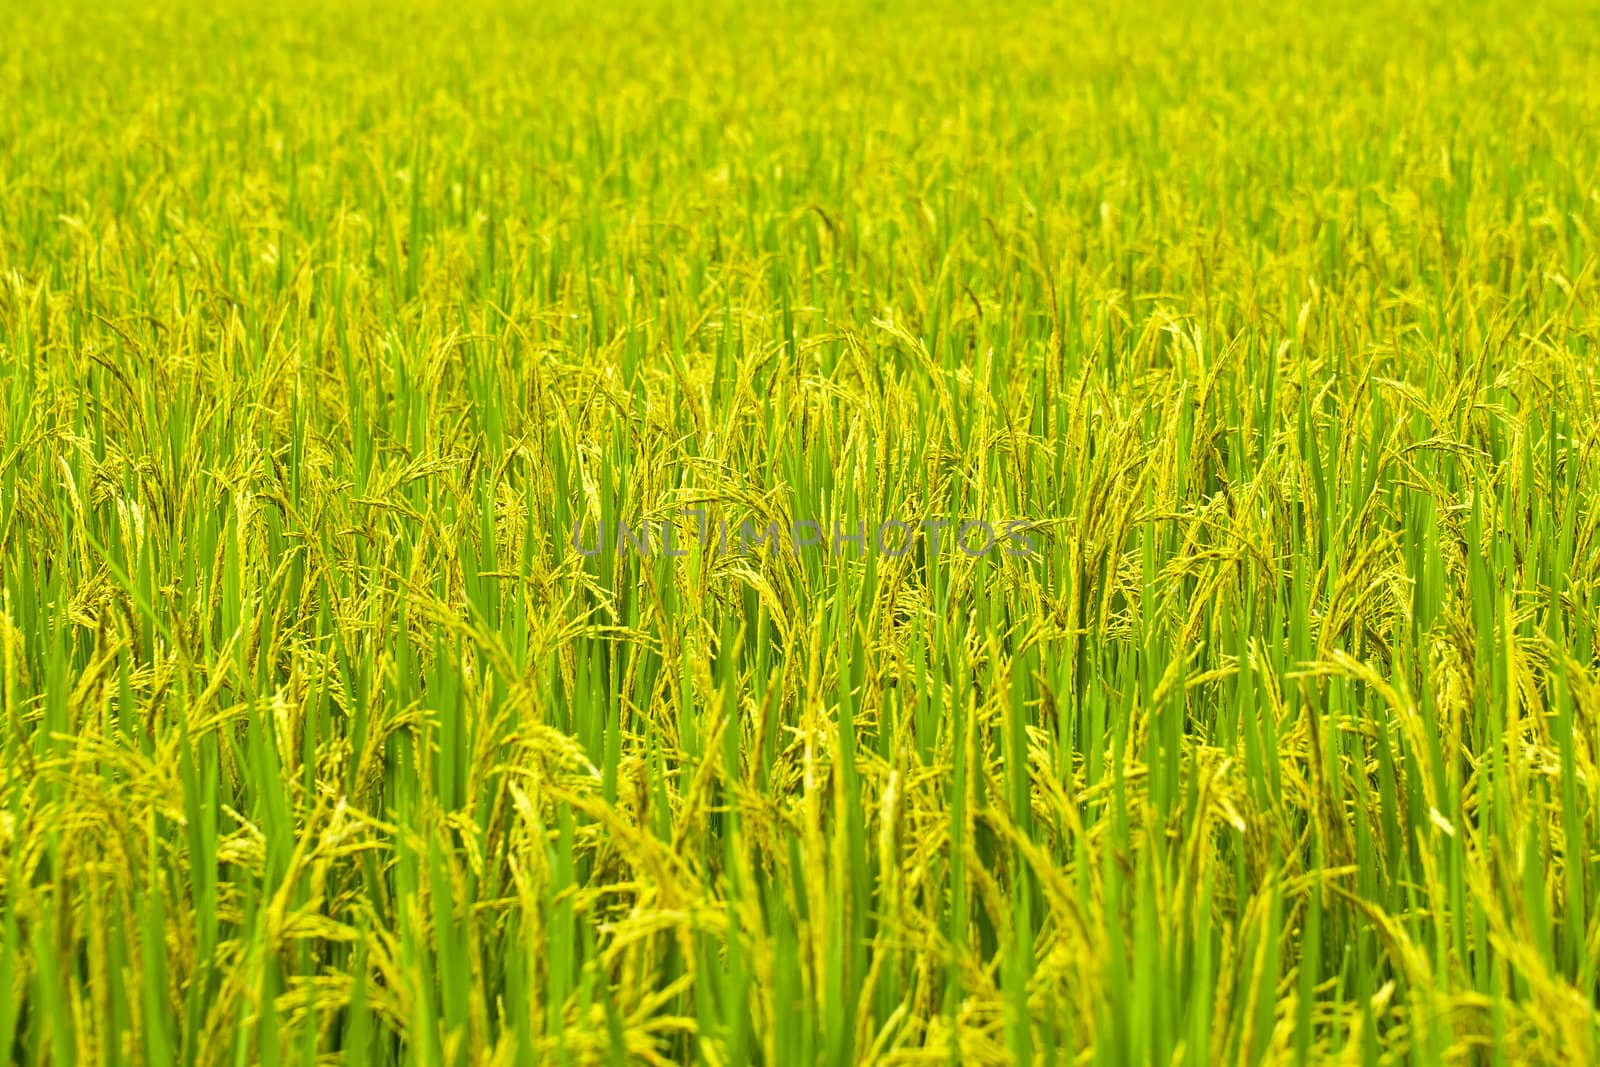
x,y
323,325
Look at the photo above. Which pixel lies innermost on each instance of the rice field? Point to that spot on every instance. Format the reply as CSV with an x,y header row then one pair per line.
x,y
799,533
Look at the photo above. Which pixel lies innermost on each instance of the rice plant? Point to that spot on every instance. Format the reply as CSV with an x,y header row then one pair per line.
x,y
792,533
